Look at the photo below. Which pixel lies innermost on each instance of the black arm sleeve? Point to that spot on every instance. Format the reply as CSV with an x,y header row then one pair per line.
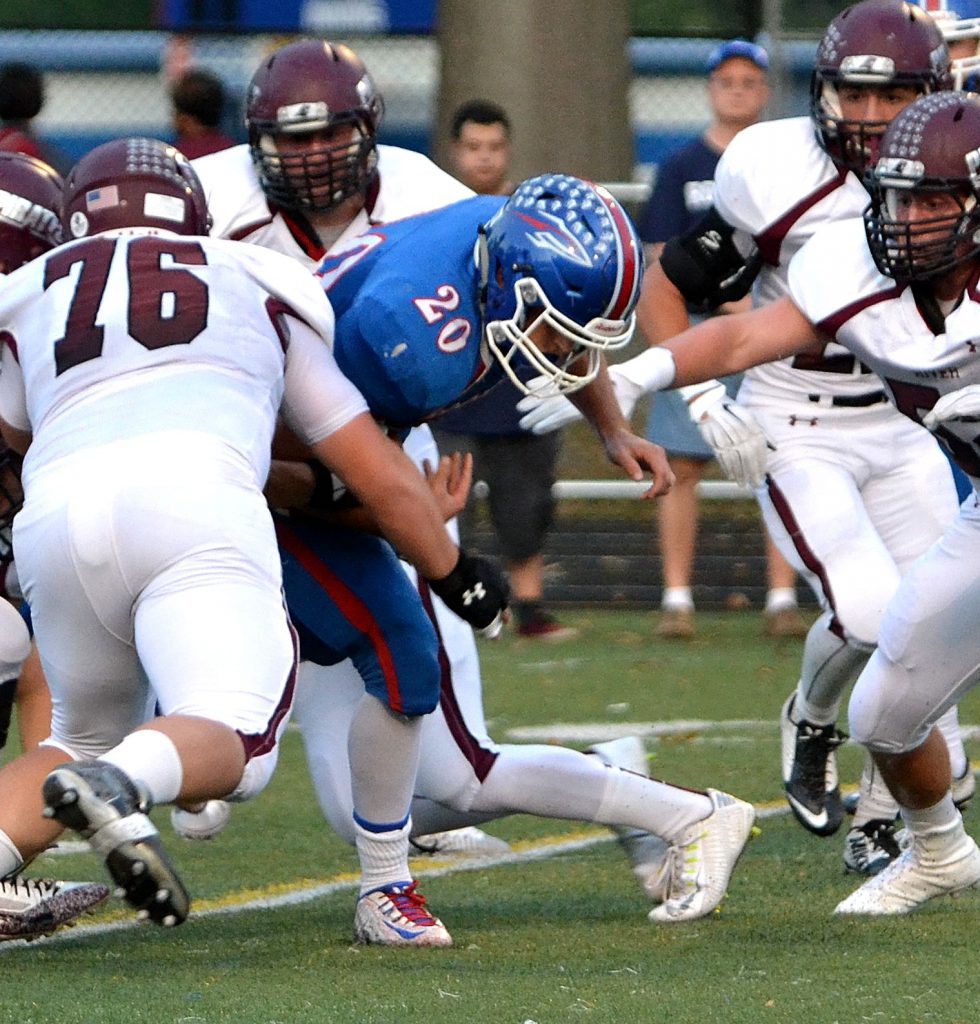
x,y
706,266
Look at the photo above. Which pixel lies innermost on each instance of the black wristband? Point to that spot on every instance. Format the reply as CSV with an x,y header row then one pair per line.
x,y
476,590
323,486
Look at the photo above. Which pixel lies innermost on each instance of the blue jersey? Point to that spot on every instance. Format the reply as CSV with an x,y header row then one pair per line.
x,y
409,327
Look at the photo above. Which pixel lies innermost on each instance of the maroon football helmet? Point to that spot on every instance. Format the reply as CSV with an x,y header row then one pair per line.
x,y
873,43
30,209
307,90
933,145
134,182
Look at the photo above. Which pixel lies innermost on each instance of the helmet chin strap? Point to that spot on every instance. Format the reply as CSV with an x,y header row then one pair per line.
x,y
481,257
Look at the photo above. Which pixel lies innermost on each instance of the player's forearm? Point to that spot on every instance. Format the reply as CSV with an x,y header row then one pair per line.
x,y
703,352
408,515
393,492
731,344
599,406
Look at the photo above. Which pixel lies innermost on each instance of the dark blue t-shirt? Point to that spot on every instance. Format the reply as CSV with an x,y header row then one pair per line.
x,y
682,193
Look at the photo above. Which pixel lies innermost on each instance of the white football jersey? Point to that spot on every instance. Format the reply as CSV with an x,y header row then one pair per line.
x,y
109,338
776,184
835,283
407,184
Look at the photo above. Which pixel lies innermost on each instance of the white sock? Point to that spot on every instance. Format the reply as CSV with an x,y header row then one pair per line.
x,y
779,599
876,802
383,855
677,599
384,754
10,858
149,757
651,805
941,821
556,782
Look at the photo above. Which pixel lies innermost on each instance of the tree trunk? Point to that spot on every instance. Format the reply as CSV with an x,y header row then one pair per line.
x,y
561,70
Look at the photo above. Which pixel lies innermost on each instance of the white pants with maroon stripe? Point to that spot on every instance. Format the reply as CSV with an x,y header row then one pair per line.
x,y
152,573
852,501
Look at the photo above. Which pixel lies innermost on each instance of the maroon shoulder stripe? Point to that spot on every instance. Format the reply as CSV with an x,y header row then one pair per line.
x,y
832,324
770,240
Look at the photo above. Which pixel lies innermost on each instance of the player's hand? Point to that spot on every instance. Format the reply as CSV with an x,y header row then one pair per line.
x,y
962,406
545,410
477,591
730,430
450,482
637,456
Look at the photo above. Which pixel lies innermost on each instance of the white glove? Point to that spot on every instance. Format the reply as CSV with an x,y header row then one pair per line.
x,y
651,370
545,410
739,444
961,406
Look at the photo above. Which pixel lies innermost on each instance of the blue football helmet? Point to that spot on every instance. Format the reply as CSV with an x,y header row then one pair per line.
x,y
959,22
560,252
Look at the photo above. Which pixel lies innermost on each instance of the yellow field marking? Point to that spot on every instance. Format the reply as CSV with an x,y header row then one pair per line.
x,y
306,890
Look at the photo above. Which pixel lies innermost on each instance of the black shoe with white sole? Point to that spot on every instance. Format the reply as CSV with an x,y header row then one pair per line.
x,y
103,805
810,772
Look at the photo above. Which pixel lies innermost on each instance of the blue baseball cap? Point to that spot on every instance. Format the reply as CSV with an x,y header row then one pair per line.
x,y
738,48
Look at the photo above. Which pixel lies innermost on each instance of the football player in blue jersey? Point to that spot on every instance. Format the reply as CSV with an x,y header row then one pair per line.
x,y
431,311
959,22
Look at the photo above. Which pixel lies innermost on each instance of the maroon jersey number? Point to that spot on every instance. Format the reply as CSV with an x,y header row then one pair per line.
x,y
166,305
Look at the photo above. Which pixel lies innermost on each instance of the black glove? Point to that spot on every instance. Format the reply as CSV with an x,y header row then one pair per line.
x,y
477,591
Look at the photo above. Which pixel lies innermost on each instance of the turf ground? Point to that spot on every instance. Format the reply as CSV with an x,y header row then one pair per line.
x,y
558,933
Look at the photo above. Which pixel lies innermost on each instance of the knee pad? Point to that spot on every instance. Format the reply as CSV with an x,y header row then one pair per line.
x,y
258,771
880,715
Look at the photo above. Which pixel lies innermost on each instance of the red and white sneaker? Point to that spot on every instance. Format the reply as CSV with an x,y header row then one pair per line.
x,y
396,915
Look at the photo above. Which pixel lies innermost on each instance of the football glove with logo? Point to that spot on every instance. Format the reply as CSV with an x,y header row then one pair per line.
x,y
477,591
730,430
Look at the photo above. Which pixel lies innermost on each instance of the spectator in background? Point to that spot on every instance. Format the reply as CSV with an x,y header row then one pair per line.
x,y
519,467
21,100
481,147
198,99
738,91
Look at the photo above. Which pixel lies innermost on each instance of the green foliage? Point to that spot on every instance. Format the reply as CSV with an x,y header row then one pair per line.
x,y
78,14
550,941
725,21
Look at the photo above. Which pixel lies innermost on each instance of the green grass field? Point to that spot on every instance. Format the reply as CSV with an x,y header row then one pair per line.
x,y
558,934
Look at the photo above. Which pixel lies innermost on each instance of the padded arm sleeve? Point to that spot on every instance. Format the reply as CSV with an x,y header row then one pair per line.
x,y
708,265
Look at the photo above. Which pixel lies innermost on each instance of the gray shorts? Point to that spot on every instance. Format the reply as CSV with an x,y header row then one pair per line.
x,y
670,425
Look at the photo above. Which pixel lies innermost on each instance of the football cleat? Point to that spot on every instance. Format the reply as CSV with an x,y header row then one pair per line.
x,y
208,822
810,772
103,805
461,842
647,853
703,858
871,847
33,907
925,870
396,915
